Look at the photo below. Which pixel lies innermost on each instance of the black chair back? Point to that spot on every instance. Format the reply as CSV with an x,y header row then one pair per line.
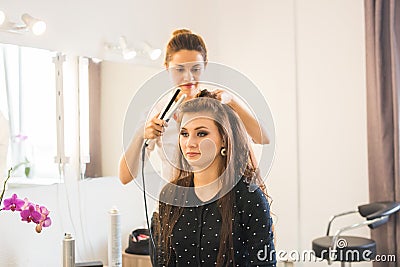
x,y
377,210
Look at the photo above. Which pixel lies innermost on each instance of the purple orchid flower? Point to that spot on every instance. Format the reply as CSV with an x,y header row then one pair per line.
x,y
31,215
21,137
29,212
27,203
13,203
45,220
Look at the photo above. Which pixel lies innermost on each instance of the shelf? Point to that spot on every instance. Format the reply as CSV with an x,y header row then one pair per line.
x,y
133,260
18,182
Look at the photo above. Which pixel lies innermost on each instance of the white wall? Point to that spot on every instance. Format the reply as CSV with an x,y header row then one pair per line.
x,y
78,208
119,84
307,57
332,137
260,44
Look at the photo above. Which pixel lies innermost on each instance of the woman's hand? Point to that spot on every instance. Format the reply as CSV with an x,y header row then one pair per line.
x,y
223,96
256,131
154,128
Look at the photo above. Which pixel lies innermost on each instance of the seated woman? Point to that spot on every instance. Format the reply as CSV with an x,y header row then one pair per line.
x,y
208,215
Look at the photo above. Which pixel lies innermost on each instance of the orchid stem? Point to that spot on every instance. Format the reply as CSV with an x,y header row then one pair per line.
x,y
8,177
4,185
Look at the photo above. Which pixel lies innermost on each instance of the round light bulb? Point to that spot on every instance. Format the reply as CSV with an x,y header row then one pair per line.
x,y
2,17
155,54
123,43
39,27
128,54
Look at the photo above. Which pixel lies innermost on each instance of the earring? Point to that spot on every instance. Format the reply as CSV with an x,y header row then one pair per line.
x,y
223,152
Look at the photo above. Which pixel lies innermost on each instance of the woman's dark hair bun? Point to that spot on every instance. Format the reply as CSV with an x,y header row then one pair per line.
x,y
206,93
181,31
185,39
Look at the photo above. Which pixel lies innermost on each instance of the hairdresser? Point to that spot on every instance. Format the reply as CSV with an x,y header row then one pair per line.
x,y
185,61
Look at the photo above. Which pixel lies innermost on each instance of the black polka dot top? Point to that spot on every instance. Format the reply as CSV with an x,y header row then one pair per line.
x,y
195,237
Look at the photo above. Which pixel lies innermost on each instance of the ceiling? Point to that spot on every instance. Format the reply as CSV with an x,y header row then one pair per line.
x,y
83,27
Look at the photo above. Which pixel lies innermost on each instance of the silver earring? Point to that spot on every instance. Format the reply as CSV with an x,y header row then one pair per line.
x,y
223,152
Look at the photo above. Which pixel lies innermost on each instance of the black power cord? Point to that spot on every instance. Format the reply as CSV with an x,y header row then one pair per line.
x,y
146,143
145,199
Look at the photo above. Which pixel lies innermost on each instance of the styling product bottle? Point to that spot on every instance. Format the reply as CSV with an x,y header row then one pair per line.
x,y
68,251
114,239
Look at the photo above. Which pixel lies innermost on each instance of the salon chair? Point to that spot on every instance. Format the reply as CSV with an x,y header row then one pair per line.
x,y
348,249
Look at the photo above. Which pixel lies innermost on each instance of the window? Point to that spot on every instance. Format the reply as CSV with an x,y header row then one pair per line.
x,y
28,82
29,100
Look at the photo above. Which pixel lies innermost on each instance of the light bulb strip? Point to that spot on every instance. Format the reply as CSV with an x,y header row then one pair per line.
x,y
123,48
30,23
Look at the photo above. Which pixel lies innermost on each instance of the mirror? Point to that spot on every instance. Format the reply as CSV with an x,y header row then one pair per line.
x,y
116,85
38,118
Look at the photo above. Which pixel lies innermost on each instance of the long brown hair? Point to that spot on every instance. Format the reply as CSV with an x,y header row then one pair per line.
x,y
184,39
237,165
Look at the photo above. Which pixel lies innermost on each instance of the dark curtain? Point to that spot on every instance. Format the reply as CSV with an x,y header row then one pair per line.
x,y
382,29
94,167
